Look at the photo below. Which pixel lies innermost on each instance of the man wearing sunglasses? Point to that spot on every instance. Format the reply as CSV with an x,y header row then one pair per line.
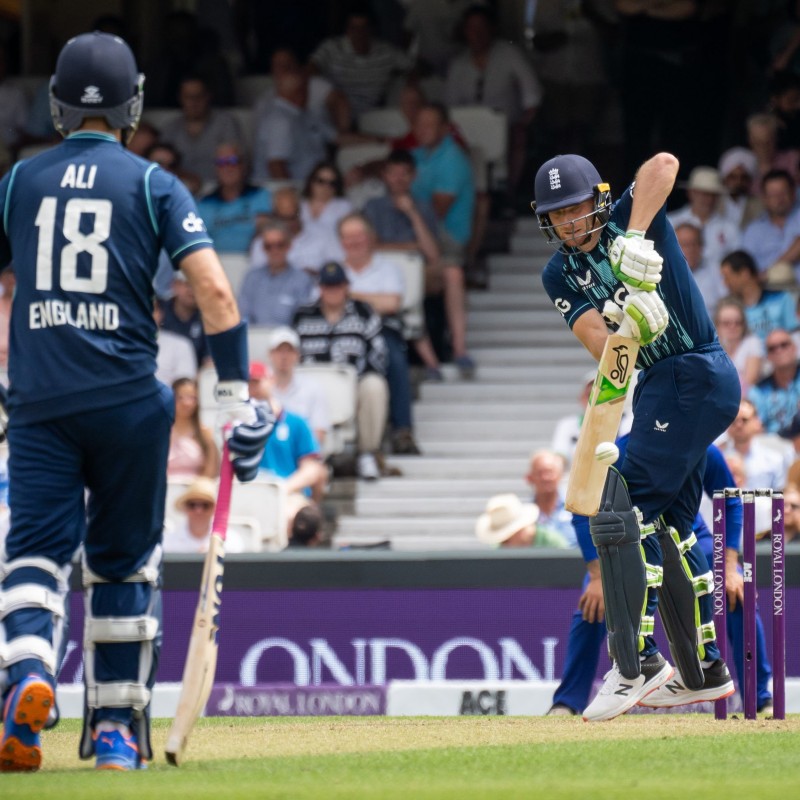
x,y
776,397
235,209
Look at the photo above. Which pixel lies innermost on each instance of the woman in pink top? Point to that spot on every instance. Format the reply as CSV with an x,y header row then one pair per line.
x,y
192,450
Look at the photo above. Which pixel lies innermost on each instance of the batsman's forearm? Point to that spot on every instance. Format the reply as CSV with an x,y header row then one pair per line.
x,y
654,183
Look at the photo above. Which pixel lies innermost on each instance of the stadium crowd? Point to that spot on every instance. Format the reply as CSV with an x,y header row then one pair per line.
x,y
344,197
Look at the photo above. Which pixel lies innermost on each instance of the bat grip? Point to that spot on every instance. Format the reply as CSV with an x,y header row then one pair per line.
x,y
222,511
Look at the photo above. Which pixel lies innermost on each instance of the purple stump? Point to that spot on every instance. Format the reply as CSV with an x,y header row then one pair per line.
x,y
719,598
778,609
749,692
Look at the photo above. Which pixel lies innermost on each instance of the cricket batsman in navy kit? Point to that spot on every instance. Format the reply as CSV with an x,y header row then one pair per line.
x,y
620,263
84,224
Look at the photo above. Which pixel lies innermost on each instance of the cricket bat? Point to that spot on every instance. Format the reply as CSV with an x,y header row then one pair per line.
x,y
600,423
201,658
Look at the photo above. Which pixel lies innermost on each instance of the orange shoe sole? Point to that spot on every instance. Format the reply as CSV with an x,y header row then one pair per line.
x,y
17,757
32,710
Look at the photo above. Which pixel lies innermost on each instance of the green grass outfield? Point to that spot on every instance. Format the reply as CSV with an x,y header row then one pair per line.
x,y
640,756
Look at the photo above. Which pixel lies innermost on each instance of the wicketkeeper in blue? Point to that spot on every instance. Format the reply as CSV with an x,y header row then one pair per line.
x,y
621,263
84,223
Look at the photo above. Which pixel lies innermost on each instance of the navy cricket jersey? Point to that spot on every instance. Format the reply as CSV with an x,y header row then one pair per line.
x,y
83,224
576,283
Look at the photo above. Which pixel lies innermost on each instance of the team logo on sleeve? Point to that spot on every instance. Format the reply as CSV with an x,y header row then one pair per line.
x,y
193,224
562,305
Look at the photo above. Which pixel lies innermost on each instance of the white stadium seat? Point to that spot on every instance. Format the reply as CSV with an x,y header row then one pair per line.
x,y
340,384
355,155
235,266
487,131
413,311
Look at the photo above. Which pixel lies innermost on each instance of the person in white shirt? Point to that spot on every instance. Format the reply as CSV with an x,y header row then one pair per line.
x,y
705,192
300,394
193,533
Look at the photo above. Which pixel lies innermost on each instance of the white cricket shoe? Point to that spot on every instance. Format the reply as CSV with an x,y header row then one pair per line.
x,y
618,695
718,684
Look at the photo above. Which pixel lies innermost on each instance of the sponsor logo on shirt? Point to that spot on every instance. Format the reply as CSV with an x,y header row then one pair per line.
x,y
193,224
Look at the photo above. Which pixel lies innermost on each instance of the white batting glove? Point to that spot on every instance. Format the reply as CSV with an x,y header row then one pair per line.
x,y
645,315
250,425
634,261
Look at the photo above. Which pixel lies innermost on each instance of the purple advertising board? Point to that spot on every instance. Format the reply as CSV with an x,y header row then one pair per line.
x,y
367,637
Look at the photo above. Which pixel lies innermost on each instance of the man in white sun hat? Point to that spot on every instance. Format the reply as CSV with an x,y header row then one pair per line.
x,y
508,522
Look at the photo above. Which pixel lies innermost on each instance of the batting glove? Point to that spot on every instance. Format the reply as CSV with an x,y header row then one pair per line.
x,y
645,315
249,424
634,261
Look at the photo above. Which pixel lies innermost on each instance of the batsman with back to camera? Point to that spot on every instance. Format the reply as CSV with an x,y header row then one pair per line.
x,y
84,223
606,273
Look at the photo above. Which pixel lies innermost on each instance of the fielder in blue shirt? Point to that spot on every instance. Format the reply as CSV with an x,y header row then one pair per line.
x,y
88,220
618,266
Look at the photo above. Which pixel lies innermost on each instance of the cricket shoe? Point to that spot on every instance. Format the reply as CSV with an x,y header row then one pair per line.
x,y
718,684
618,694
25,714
117,750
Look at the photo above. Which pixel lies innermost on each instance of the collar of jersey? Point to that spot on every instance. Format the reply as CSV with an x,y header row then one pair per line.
x,y
92,135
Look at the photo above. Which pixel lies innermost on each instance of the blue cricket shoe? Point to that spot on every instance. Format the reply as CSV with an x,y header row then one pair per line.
x,y
116,750
26,710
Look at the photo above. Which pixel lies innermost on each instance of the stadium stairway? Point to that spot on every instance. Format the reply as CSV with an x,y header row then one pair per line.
x,y
476,436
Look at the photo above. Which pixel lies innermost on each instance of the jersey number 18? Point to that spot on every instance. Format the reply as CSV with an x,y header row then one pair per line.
x,y
78,242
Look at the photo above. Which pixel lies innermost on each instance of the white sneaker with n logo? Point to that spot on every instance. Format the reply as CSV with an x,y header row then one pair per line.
x,y
618,694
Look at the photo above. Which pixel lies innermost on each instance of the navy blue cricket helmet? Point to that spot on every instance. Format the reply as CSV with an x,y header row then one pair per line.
x,y
566,181
96,76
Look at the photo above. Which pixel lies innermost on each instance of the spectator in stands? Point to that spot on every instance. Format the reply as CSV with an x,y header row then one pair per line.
x,y
324,204
508,522
306,527
545,473
746,350
324,99
290,140
706,274
776,397
292,454
176,357
271,294
738,168
791,433
13,106
763,464
766,309
784,103
497,74
705,192
199,129
181,315
379,282
145,136
193,533
774,236
359,64
338,329
403,223
762,139
444,178
235,210
310,249
791,510
300,394
410,102
7,284
192,450
168,158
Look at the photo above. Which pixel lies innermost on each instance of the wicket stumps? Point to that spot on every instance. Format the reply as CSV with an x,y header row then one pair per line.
x,y
749,690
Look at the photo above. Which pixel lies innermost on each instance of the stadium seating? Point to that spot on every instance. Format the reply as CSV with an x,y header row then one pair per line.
x,y
250,88
355,155
387,122
414,295
235,266
340,384
485,130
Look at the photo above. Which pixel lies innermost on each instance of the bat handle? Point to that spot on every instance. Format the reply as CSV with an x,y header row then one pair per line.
x,y
222,511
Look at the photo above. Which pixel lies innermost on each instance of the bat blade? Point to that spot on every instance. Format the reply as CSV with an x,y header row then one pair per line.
x,y
601,423
201,657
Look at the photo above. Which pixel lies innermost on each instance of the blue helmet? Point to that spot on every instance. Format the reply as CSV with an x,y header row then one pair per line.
x,y
566,181
96,76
